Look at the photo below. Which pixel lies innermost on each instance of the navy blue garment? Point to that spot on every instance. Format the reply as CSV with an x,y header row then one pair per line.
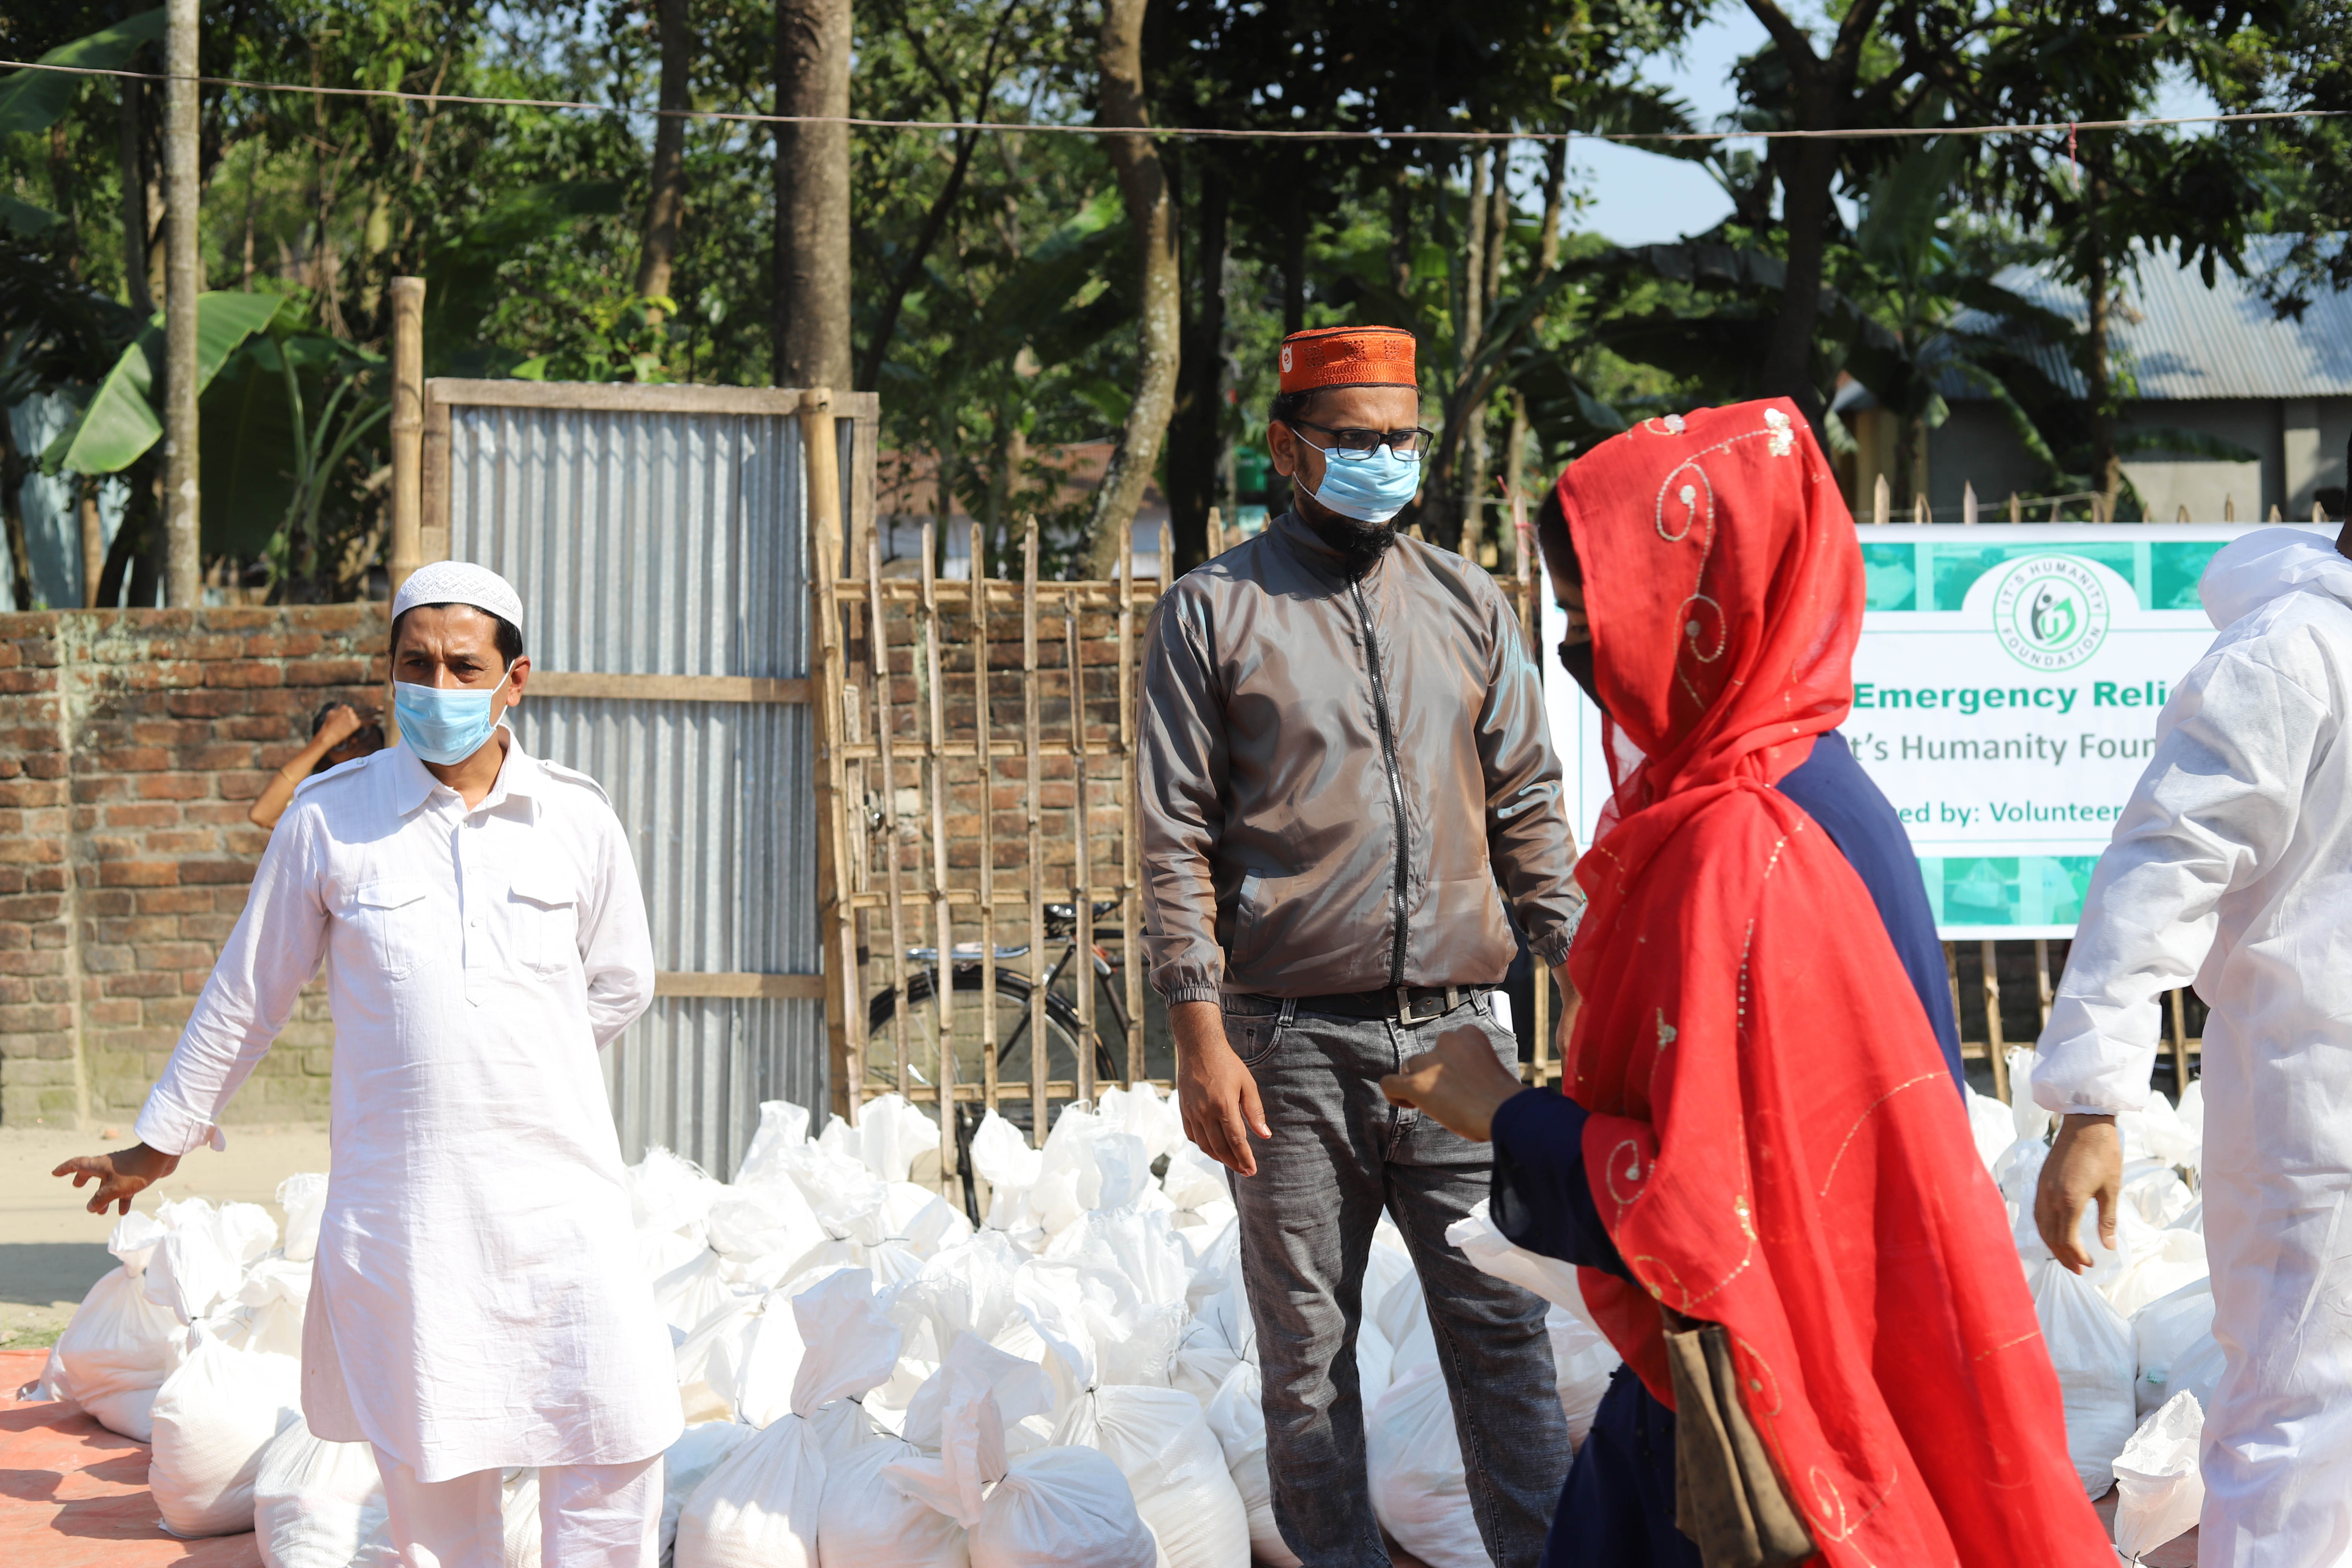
x,y
1617,1509
1834,792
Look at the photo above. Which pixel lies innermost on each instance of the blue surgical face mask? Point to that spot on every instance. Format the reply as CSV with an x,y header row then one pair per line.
x,y
1369,490
446,724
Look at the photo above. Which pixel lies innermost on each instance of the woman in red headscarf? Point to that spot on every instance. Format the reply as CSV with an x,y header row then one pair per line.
x,y
1769,1137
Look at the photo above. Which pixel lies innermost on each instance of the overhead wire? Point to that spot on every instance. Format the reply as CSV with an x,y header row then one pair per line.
x,y
1215,133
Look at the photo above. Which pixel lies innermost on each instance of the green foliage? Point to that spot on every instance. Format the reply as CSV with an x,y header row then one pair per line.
x,y
118,424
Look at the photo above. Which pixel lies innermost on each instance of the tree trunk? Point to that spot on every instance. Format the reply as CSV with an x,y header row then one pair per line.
x,y
1195,439
12,514
183,280
1400,230
1294,268
136,288
1555,198
666,201
2106,467
1805,175
1143,182
812,263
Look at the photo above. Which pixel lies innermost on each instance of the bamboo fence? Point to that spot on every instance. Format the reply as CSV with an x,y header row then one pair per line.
x,y
914,758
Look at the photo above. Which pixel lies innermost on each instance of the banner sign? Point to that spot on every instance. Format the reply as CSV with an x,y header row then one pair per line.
x,y
2006,692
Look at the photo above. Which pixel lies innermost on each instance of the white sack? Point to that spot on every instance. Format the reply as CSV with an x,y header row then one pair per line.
x,y
1991,1125
2173,1340
2031,1121
2162,1262
526,1535
213,1417
314,1502
1413,1459
303,1196
1237,1416
2159,1491
1161,1444
2090,1349
784,1126
760,1507
701,1448
269,1308
1063,1507
689,1293
1582,1362
867,1521
908,1504
117,1350
1491,1253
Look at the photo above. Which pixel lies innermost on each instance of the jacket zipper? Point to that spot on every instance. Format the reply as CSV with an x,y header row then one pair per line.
x,y
1396,779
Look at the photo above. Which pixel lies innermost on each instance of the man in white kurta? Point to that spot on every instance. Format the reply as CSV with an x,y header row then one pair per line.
x,y
478,1303
2231,867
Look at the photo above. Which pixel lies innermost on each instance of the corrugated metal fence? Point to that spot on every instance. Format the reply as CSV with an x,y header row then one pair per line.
x,y
660,538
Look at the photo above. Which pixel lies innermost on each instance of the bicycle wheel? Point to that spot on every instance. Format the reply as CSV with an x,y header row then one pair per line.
x,y
1011,1018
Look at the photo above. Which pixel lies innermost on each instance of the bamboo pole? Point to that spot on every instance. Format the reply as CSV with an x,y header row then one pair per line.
x,y
877,638
1994,1045
845,987
942,918
988,1085
2179,1043
1952,978
2041,975
1130,894
407,428
1539,1067
1040,1121
1082,909
1216,533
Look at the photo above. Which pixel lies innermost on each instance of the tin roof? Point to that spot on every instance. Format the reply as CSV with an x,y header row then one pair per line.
x,y
2185,341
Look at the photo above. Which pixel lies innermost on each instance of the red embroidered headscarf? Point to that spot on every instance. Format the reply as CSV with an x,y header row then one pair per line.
x,y
1775,1145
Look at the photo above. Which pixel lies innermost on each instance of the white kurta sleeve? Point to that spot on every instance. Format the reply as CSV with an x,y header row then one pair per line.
x,y
616,945
254,987
2213,814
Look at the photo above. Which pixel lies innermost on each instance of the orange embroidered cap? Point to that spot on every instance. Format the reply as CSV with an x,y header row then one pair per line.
x,y
1347,357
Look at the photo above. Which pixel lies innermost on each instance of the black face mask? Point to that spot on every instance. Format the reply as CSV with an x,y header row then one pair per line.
x,y
1576,657
1361,544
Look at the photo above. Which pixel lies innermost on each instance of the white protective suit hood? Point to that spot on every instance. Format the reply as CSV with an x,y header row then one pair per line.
x,y
2249,572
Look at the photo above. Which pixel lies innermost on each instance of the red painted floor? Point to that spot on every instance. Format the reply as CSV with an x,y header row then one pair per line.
x,y
74,1495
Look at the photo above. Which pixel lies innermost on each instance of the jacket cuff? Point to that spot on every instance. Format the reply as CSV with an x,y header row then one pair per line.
x,y
1192,993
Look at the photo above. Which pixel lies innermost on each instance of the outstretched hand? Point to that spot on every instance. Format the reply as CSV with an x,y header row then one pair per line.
x,y
121,1176
1459,1085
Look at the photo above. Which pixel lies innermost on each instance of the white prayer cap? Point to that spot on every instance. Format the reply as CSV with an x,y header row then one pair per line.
x,y
459,582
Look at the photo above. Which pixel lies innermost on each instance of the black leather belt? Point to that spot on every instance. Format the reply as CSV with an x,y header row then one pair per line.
x,y
1405,1005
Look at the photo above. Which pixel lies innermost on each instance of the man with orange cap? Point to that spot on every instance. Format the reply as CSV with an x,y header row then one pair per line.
x,y
1344,755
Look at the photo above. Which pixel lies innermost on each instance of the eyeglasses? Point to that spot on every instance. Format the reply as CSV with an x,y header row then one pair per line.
x,y
1355,444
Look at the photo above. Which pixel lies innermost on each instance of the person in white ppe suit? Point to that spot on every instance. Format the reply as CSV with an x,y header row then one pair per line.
x,y
476,1303
2231,867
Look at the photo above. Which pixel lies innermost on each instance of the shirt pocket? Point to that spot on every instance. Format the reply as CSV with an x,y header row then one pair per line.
x,y
394,915
545,919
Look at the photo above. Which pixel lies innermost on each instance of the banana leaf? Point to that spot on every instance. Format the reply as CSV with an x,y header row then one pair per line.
x,y
32,100
118,424
26,218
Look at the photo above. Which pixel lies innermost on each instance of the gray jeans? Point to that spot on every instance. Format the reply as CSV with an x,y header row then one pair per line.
x,y
1339,1155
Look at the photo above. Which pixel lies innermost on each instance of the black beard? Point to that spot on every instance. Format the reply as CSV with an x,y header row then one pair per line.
x,y
1361,544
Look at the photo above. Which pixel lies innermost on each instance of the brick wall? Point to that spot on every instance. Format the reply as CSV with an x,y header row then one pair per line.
x,y
132,743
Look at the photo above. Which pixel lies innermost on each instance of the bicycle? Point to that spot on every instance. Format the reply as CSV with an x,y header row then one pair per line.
x,y
1013,991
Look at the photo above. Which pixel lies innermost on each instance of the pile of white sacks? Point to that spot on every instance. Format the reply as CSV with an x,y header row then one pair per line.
x,y
2132,1341
867,1379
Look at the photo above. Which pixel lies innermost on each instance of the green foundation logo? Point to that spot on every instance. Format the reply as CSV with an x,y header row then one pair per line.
x,y
2050,612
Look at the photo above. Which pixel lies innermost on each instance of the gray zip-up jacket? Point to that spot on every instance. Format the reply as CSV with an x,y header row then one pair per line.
x,y
1325,811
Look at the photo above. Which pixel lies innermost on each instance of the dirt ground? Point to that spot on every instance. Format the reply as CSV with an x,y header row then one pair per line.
x,y
52,1251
